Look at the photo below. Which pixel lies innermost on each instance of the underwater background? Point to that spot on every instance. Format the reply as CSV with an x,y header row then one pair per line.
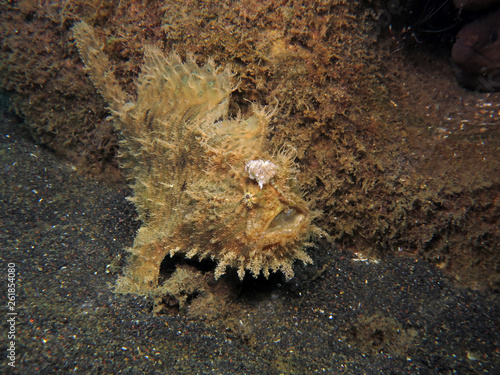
x,y
397,144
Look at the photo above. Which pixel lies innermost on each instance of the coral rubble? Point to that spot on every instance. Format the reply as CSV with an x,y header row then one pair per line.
x,y
200,184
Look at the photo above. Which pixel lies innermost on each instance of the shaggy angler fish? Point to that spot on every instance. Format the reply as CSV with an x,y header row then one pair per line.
x,y
204,185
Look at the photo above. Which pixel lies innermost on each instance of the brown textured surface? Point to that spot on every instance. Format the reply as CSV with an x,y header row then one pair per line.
x,y
399,158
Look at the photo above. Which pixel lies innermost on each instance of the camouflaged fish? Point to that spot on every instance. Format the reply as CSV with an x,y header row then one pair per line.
x,y
204,185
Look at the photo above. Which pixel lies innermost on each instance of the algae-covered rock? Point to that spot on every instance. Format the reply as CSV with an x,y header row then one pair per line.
x,y
398,157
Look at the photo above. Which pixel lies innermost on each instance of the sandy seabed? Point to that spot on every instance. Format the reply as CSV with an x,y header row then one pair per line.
x,y
344,314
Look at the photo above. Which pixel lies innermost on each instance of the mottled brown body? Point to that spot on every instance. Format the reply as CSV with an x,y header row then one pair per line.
x,y
187,165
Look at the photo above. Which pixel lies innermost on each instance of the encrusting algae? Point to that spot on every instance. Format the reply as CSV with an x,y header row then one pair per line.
x,y
204,184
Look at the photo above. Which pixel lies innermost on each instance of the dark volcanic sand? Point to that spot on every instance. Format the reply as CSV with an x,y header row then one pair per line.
x,y
340,316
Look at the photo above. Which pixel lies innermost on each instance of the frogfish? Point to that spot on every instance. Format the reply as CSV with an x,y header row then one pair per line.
x,y
205,185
